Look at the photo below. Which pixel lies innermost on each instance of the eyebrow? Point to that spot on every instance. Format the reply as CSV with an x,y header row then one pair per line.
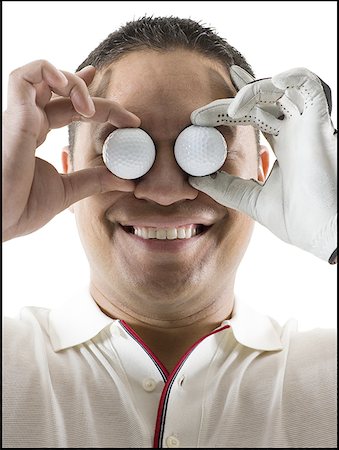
x,y
101,131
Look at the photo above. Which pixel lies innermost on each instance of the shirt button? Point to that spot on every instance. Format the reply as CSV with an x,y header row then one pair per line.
x,y
172,442
149,384
181,380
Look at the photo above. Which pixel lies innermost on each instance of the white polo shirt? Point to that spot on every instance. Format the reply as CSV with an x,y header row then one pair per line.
x,y
74,377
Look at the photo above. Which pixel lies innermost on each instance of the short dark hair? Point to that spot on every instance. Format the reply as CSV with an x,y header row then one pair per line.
x,y
161,34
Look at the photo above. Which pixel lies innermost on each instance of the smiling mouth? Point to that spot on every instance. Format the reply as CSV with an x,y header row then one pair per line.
x,y
183,232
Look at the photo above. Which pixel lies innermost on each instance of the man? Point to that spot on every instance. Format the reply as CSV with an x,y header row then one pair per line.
x,y
158,352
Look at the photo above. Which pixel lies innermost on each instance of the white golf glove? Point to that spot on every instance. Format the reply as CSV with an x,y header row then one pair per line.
x,y
298,201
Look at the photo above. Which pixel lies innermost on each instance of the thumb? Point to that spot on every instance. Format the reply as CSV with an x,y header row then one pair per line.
x,y
230,191
97,180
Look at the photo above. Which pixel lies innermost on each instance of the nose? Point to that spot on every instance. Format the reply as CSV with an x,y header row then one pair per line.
x,y
165,183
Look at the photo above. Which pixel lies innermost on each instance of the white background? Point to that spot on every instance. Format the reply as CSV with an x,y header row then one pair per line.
x,y
276,278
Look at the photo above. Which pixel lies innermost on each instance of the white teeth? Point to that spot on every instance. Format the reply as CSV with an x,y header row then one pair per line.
x,y
152,233
166,233
172,233
144,233
161,234
181,233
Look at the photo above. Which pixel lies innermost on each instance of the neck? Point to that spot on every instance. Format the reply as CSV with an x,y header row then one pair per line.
x,y
169,339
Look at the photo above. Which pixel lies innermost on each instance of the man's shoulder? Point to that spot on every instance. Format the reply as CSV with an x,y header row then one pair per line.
x,y
310,379
320,342
23,329
311,361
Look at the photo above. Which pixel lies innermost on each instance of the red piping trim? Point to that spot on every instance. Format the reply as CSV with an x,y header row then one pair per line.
x,y
168,383
146,347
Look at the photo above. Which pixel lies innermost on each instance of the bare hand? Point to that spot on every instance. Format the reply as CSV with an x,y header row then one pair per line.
x,y
33,190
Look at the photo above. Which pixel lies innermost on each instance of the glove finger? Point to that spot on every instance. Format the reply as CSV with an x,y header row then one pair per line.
x,y
215,114
274,109
263,120
230,191
258,93
212,114
308,84
296,77
240,77
292,102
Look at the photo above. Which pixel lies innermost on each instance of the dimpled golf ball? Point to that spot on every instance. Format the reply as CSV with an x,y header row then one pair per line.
x,y
200,151
128,153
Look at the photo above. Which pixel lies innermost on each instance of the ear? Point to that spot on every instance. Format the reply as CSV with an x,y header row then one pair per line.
x,y
65,159
66,165
264,163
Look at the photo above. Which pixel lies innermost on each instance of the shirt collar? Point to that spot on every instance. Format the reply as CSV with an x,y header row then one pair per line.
x,y
80,319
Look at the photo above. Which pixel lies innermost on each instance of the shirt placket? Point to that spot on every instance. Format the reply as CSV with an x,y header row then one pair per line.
x,y
169,404
180,412
146,376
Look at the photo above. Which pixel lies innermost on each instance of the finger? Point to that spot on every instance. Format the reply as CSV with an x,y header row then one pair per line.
x,y
260,92
275,109
77,91
296,78
304,88
240,77
60,112
84,183
87,74
21,89
43,94
213,114
263,120
22,83
230,191
291,103
216,114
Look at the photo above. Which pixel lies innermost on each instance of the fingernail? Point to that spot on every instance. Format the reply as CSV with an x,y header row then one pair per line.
x,y
85,68
83,105
132,115
91,104
90,108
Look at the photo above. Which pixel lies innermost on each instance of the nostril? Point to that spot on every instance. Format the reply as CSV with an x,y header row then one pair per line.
x,y
164,192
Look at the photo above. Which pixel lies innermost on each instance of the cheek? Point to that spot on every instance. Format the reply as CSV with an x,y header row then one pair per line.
x,y
90,215
234,238
241,165
88,220
242,156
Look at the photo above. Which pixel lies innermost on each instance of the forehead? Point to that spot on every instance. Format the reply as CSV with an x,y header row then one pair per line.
x,y
161,73
163,87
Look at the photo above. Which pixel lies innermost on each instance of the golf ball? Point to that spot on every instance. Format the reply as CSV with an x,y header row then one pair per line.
x,y
128,153
200,150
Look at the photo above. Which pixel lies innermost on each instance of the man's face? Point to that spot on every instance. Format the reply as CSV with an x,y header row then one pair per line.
x,y
151,277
